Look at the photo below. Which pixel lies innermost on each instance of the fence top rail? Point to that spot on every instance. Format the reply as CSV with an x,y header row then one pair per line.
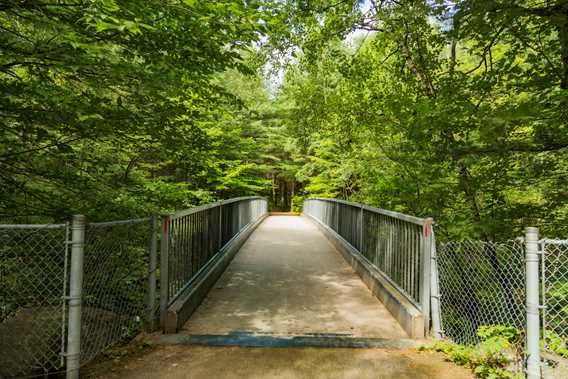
x,y
32,226
554,241
393,214
187,212
121,222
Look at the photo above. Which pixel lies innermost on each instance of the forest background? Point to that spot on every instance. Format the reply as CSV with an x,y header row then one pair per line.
x,y
451,109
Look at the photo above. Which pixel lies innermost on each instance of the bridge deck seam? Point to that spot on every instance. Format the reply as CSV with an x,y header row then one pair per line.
x,y
319,340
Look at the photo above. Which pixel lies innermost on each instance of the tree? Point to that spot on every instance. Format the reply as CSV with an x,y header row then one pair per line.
x,y
452,111
105,106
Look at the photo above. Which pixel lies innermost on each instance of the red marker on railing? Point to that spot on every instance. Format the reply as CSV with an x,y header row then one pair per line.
x,y
426,230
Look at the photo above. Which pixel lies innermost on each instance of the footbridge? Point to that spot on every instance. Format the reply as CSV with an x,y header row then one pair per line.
x,y
340,274
265,288
228,274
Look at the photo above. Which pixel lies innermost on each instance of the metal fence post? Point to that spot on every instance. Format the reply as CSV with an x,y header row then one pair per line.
x,y
435,289
75,292
425,275
164,270
532,302
152,266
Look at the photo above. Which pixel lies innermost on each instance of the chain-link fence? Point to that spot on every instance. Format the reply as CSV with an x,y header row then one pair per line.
x,y
70,291
555,311
485,284
32,310
35,271
481,283
115,283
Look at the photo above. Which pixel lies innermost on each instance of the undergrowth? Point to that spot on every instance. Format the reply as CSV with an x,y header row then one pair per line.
x,y
492,358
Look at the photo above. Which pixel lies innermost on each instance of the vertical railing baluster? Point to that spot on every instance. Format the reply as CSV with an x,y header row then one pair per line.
x,y
220,229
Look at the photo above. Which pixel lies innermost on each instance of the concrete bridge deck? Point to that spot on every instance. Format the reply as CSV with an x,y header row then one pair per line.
x,y
288,279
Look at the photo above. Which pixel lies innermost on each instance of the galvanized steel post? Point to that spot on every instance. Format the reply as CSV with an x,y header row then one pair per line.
x,y
532,302
425,277
152,274
73,354
164,283
435,290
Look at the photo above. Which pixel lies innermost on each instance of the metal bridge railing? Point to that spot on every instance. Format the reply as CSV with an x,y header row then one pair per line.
x,y
193,238
397,245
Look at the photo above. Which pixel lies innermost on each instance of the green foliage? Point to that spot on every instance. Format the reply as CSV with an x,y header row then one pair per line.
x,y
110,108
489,359
117,109
435,112
556,344
297,203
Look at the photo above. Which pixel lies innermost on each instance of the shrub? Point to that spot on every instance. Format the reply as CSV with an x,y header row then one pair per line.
x,y
491,358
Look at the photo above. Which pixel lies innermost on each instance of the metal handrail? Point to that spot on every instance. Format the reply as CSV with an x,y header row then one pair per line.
x,y
398,215
122,222
200,208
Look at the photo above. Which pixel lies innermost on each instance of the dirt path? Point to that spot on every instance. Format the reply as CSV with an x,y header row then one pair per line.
x,y
192,362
